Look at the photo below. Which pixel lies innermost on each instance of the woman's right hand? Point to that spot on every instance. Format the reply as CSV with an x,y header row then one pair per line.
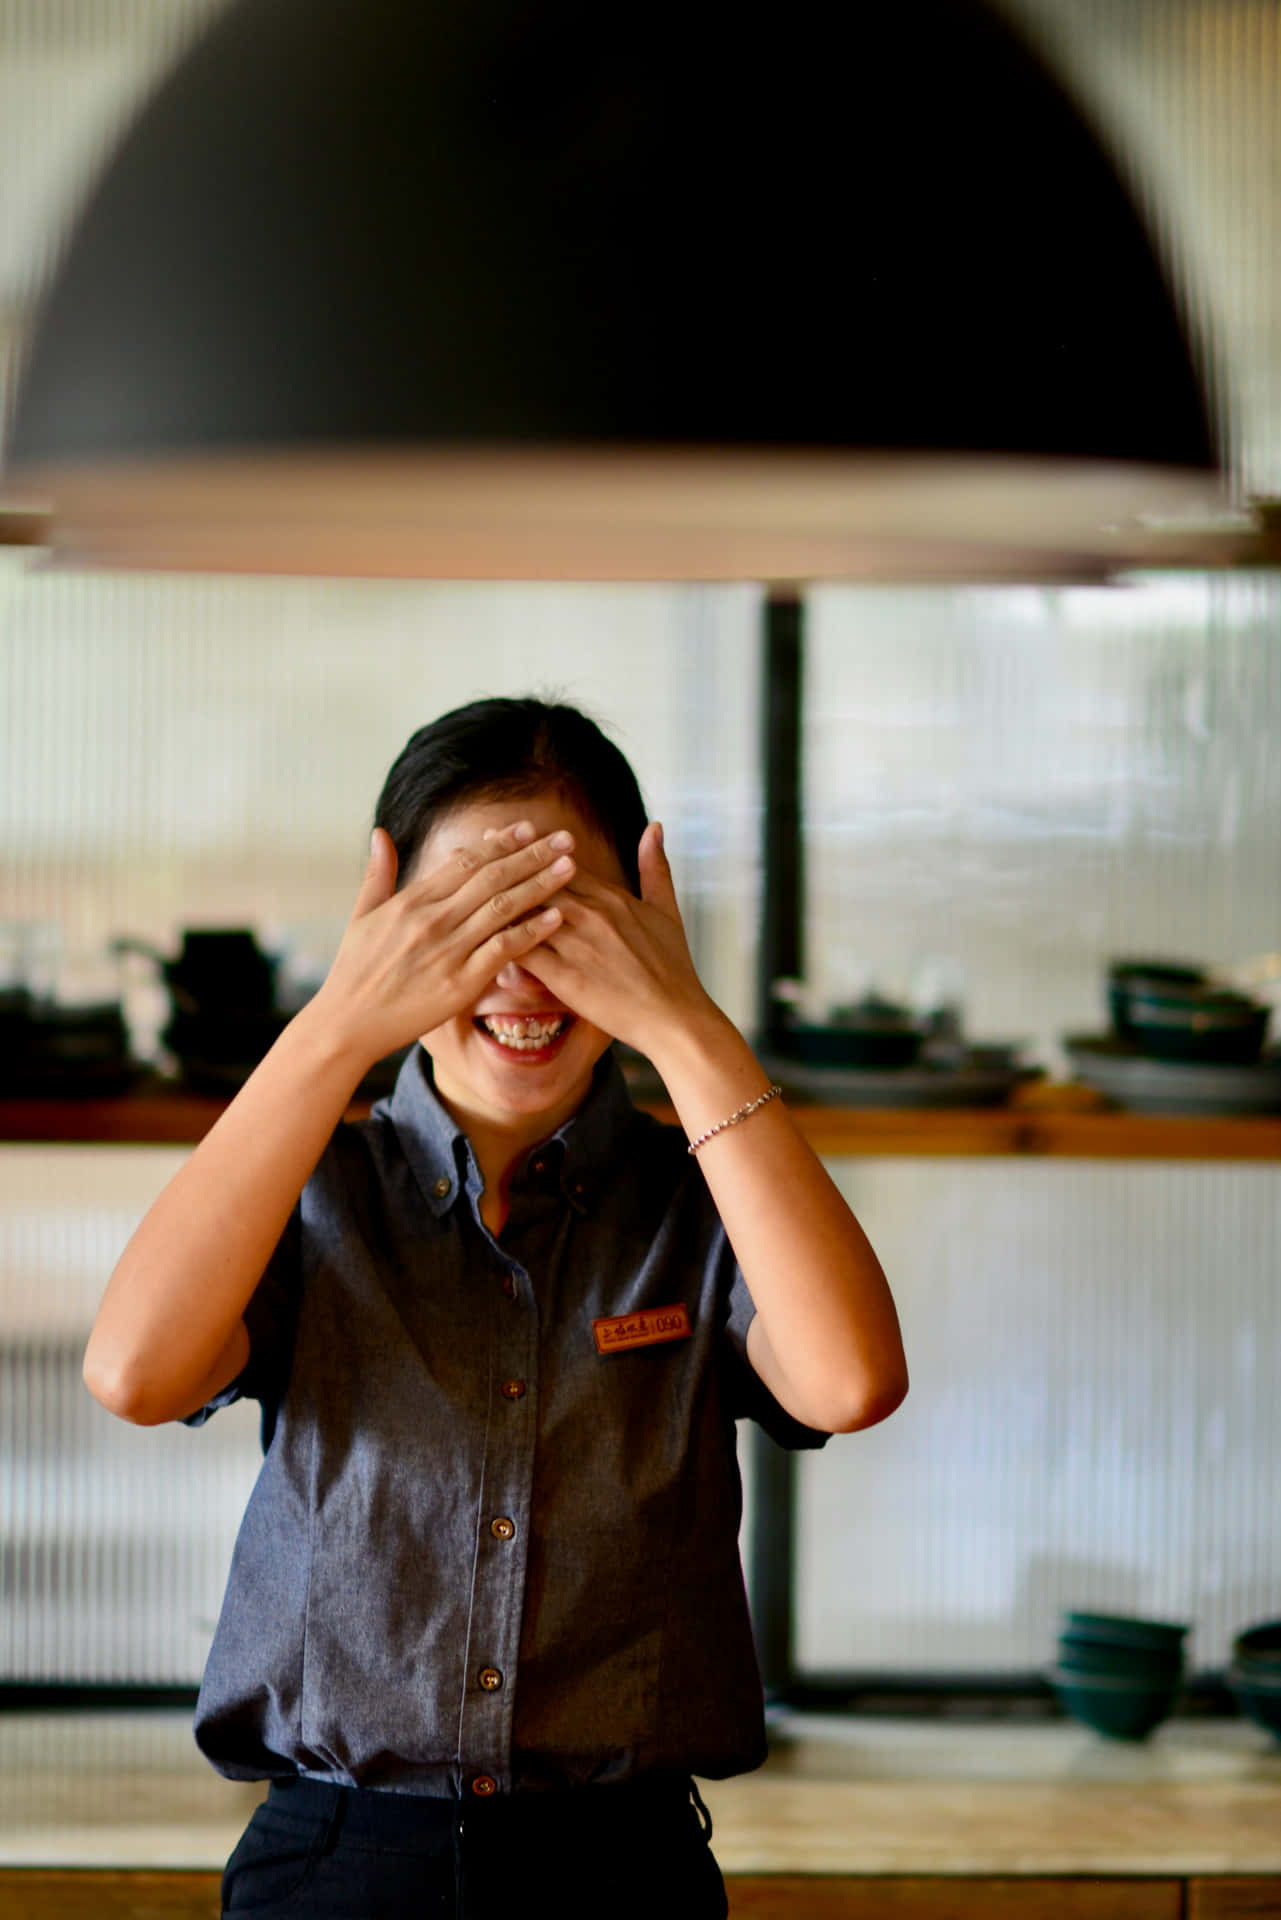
x,y
410,960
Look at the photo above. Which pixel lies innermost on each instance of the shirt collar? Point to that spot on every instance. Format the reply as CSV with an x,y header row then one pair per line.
x,y
438,1151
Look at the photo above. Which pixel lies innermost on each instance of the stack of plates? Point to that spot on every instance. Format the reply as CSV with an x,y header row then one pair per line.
x,y
1115,1068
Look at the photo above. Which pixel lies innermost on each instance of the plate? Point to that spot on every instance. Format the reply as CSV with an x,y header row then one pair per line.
x,y
972,1084
1147,1085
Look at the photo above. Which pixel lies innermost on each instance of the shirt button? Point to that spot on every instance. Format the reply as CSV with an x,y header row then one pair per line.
x,y
509,1286
502,1528
442,1187
490,1679
540,1166
513,1388
484,1784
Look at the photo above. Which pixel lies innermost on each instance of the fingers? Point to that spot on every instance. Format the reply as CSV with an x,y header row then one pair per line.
x,y
379,882
657,886
468,875
514,942
502,905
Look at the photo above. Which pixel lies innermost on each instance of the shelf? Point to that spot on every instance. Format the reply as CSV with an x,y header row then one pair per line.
x,y
1058,1121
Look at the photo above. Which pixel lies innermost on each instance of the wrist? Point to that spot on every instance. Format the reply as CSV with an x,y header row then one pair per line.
x,y
327,1043
703,1057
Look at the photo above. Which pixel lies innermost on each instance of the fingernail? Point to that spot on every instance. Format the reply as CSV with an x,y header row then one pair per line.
x,y
658,832
549,918
561,839
523,831
563,865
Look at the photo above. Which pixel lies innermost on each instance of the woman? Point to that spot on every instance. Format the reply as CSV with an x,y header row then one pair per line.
x,y
485,1615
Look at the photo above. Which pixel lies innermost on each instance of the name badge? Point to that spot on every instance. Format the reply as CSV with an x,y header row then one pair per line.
x,y
645,1329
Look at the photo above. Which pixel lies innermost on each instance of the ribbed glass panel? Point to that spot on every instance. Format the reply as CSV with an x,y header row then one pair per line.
x,y
1010,789
1003,792
1092,1422
200,752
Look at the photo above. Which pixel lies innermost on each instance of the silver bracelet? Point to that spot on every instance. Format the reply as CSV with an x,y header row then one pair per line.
x,y
771,1093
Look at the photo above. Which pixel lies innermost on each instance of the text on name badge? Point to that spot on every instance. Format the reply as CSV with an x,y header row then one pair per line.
x,y
644,1329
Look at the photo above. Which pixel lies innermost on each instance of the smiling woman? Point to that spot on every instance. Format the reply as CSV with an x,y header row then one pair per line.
x,y
500,1332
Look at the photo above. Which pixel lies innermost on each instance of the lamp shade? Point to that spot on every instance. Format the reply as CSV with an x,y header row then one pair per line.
x,y
542,286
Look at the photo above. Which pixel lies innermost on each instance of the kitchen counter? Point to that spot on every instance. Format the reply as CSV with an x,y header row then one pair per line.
x,y
838,1796
849,1795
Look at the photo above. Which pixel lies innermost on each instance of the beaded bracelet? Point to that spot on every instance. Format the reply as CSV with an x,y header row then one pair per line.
x,y
771,1093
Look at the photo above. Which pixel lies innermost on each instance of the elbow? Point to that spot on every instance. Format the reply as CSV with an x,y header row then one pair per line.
x,y
119,1390
867,1405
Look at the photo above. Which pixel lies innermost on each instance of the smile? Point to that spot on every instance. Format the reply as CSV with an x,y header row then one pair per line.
x,y
524,1033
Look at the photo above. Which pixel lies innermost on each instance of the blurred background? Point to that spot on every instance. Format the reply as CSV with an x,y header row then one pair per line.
x,y
1003,791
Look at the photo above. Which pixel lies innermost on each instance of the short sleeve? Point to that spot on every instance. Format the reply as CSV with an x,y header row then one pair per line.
x,y
271,1319
750,1398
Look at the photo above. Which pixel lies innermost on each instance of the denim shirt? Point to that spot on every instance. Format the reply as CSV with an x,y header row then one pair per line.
x,y
493,1545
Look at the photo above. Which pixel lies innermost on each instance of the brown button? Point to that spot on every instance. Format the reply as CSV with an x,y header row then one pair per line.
x,y
579,1189
484,1784
540,1166
442,1187
490,1679
502,1528
513,1388
509,1286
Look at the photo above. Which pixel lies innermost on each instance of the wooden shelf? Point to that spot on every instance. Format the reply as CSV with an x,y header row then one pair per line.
x,y
1059,1121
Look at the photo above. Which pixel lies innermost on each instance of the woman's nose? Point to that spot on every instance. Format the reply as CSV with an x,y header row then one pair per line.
x,y
514,979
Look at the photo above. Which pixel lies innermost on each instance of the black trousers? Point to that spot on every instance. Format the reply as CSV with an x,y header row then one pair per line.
x,y
628,1852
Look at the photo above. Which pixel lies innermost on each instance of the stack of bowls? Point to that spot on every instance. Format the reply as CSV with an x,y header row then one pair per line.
x,y
1255,1674
1180,1013
1117,1674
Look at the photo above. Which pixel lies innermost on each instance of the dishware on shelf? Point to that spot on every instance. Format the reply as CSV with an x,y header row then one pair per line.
x,y
1116,1069
870,1032
968,1082
223,1016
1173,1011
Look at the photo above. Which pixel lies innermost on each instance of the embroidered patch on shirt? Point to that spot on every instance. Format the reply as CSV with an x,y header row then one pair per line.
x,y
645,1329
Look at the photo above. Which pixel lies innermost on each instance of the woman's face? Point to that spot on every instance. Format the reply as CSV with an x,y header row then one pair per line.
x,y
518,1053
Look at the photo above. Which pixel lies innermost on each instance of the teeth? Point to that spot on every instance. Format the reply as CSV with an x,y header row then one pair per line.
x,y
524,1035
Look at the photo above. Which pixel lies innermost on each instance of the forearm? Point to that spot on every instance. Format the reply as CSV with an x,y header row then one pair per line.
x,y
171,1310
826,1339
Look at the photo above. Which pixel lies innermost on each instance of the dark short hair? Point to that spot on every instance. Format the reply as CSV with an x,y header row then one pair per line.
x,y
492,749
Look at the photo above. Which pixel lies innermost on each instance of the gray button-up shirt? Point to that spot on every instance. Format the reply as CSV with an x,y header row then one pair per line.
x,y
494,1539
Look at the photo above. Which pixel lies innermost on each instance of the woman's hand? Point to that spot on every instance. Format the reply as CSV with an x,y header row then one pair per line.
x,y
410,960
622,963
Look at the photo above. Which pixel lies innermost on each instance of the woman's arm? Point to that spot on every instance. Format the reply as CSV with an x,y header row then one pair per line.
x,y
170,1331
825,1339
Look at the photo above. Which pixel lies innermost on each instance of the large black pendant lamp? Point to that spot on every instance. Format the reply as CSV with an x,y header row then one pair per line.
x,y
555,288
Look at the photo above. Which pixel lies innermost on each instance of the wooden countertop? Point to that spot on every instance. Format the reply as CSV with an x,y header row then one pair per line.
x,y
838,1796
866,1796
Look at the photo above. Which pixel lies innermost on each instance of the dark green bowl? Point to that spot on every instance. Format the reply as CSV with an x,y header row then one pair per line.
x,y
1146,1666
1259,1645
1114,1707
1260,1701
1125,1630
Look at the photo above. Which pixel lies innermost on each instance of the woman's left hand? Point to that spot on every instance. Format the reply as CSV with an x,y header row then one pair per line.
x,y
623,963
